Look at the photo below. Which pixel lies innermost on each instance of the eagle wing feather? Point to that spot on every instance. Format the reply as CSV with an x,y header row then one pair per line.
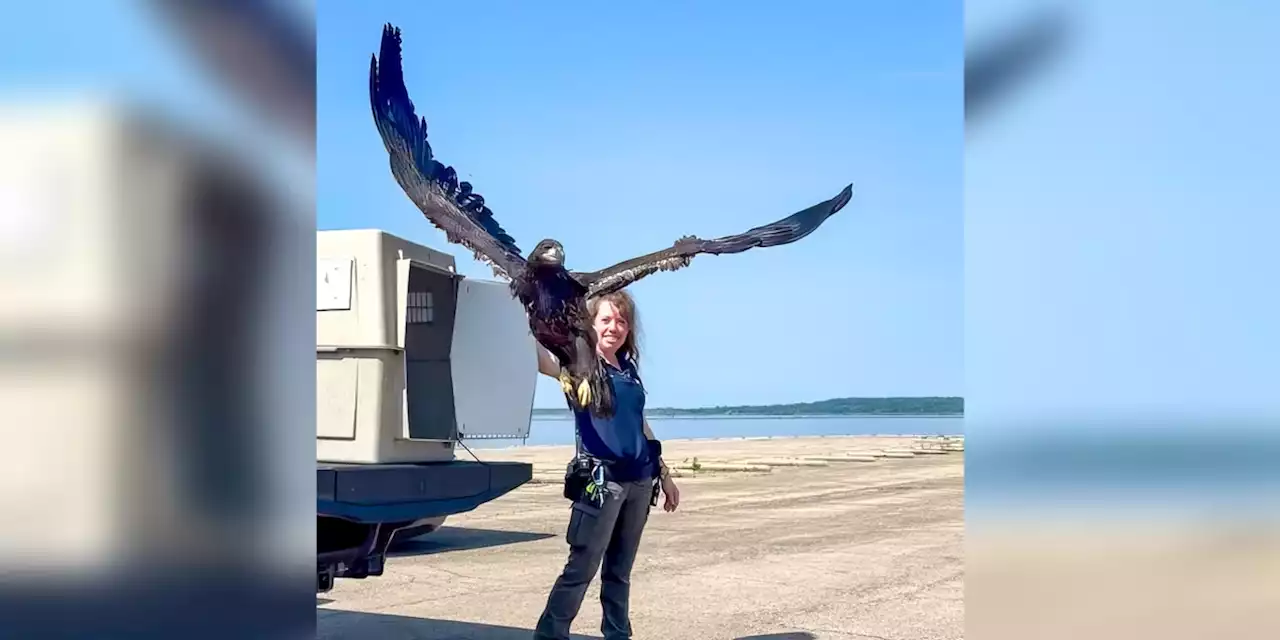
x,y
784,231
450,205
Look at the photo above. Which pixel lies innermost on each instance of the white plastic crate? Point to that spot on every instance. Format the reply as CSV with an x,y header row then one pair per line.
x,y
410,356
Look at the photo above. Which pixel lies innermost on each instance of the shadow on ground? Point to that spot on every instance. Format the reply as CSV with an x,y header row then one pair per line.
x,y
344,625
461,539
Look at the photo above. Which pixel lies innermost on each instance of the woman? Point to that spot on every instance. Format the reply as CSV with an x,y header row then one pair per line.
x,y
611,531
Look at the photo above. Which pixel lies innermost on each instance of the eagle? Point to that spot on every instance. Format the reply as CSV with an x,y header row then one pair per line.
x,y
554,298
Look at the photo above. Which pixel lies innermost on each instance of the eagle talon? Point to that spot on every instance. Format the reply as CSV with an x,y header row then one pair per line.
x,y
584,393
566,383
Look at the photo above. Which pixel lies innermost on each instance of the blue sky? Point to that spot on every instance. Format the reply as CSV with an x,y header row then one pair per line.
x,y
111,48
121,51
1120,226
617,129
1118,232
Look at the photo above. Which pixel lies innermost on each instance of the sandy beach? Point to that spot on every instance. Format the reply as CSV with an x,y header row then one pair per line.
x,y
815,547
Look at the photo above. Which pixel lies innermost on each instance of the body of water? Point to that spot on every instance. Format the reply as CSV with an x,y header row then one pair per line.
x,y
1218,475
560,430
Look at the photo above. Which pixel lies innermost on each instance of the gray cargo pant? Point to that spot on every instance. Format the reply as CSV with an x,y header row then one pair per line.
x,y
611,533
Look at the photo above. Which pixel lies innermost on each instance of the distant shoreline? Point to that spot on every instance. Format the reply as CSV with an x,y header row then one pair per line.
x,y
891,407
562,414
732,439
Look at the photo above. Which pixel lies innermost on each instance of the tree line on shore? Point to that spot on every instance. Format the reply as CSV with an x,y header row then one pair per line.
x,y
931,406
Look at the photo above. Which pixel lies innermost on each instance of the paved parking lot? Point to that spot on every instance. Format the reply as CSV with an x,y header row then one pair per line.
x,y
851,550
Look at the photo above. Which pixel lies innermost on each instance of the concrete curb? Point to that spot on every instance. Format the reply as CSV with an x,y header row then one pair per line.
x,y
787,462
845,458
898,454
721,466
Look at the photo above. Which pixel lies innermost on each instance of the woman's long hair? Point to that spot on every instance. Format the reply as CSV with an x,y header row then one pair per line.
x,y
626,305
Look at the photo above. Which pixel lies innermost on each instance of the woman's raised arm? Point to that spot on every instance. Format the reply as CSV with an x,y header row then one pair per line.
x,y
547,364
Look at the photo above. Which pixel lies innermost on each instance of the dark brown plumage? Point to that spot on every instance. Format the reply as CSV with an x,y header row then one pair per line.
x,y
554,297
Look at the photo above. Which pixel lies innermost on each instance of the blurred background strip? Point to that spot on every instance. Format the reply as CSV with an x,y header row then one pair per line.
x,y
157,253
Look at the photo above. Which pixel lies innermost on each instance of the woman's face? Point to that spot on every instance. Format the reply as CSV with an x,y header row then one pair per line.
x,y
611,327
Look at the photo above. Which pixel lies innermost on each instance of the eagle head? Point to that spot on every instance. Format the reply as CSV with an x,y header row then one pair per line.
x,y
548,253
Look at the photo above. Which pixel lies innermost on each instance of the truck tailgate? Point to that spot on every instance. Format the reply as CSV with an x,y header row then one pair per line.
x,y
405,492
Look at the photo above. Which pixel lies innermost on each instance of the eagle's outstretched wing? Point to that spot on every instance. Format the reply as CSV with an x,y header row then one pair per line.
x,y
433,186
784,231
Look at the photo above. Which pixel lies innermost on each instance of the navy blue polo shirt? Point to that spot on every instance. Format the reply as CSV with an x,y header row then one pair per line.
x,y
619,439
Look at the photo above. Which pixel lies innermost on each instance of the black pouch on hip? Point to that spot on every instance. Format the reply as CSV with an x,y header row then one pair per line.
x,y
576,477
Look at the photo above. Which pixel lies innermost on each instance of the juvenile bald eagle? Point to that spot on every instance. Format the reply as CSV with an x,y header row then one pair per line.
x,y
554,297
